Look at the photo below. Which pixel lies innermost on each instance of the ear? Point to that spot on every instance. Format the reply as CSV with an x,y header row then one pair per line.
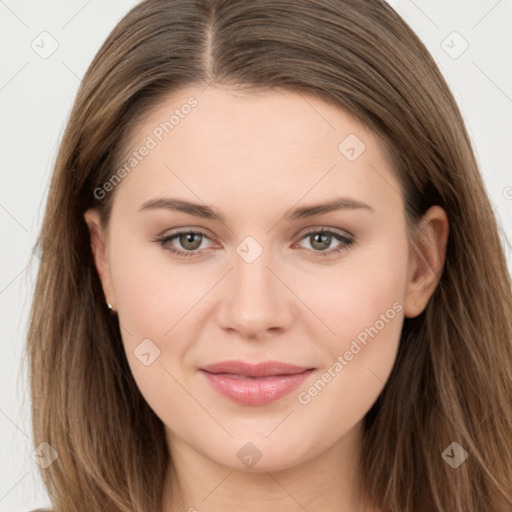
x,y
426,260
100,253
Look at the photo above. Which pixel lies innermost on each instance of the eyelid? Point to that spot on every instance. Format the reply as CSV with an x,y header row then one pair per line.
x,y
187,229
338,231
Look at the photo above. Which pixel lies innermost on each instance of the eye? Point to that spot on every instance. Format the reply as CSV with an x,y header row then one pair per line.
x,y
189,241
321,239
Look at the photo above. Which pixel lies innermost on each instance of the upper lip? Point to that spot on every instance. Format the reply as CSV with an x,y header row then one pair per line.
x,y
264,369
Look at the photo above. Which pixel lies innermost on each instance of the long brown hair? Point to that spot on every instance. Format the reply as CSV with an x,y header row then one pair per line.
x,y
452,381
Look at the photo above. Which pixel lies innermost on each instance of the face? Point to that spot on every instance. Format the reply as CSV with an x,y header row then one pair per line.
x,y
255,273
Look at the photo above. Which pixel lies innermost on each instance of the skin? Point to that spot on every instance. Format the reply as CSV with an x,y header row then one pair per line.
x,y
253,157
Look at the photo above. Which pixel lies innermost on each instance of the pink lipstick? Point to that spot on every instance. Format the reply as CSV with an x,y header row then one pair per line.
x,y
255,384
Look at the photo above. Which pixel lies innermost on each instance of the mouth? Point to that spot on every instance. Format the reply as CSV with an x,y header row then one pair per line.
x,y
255,384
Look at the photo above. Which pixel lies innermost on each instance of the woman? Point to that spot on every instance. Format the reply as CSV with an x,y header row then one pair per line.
x,y
271,277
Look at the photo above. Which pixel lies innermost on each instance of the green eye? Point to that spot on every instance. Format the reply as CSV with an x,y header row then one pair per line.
x,y
320,240
191,241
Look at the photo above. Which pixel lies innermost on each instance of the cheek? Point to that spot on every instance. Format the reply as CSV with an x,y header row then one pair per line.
x,y
159,302
364,308
366,287
155,304
153,292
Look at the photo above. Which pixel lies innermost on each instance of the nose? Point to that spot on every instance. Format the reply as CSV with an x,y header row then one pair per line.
x,y
255,303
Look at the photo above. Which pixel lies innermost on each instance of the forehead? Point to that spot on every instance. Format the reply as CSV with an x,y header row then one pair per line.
x,y
277,145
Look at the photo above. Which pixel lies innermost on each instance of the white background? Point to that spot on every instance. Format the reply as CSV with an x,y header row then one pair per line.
x,y
36,95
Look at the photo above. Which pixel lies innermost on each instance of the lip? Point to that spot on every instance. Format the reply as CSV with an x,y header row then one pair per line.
x,y
255,384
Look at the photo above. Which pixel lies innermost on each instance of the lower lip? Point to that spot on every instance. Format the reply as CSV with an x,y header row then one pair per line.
x,y
256,391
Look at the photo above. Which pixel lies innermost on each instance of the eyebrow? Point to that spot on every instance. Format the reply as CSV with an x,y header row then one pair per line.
x,y
205,212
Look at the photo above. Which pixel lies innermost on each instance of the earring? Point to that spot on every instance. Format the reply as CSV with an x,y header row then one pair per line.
x,y
110,307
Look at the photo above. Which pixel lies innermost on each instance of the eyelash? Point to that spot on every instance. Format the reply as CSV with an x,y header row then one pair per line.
x,y
346,242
